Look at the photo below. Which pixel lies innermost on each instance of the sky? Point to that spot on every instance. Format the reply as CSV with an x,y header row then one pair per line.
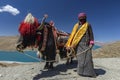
x,y
103,15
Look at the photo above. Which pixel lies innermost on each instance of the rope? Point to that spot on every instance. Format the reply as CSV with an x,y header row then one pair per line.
x,y
69,55
37,58
32,57
72,51
83,51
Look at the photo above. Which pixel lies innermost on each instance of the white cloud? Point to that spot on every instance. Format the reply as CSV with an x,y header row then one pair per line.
x,y
10,9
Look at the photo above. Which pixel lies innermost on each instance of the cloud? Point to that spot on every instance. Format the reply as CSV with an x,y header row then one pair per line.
x,y
10,9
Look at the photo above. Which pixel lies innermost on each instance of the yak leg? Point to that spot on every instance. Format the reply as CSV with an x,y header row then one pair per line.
x,y
68,59
46,65
51,65
71,60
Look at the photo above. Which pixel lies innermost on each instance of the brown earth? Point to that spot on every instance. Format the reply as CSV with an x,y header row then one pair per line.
x,y
7,43
108,51
2,64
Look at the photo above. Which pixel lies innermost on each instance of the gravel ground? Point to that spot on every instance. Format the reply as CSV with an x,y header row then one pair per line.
x,y
107,68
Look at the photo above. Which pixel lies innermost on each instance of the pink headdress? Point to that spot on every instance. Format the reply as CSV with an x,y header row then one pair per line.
x,y
82,15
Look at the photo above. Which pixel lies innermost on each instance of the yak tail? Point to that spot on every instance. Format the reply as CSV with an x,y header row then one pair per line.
x,y
57,58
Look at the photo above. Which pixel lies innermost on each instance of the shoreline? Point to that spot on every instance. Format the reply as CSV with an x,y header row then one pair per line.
x,y
11,62
17,51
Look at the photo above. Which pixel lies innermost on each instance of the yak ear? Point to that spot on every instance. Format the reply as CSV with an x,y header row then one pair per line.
x,y
29,18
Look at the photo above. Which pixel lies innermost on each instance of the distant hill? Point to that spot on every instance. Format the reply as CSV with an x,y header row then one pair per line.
x,y
8,43
108,50
96,47
99,43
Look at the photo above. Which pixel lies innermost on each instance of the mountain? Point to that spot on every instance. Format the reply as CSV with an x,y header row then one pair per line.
x,y
108,50
8,43
96,46
99,43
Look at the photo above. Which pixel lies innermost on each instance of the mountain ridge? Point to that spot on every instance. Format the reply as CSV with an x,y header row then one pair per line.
x,y
7,43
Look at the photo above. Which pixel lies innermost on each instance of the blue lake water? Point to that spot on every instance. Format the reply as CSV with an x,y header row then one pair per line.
x,y
21,57
17,56
96,47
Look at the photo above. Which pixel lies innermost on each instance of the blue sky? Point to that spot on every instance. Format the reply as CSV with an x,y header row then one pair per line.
x,y
103,15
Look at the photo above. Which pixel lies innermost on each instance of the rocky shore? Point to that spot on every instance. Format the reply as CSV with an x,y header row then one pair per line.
x,y
107,69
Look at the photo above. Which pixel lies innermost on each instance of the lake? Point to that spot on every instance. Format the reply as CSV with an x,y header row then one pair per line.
x,y
21,57
17,56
